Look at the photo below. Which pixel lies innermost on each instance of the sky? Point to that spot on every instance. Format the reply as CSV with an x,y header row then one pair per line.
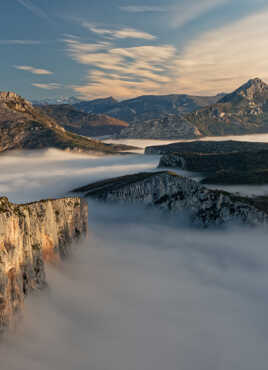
x,y
124,48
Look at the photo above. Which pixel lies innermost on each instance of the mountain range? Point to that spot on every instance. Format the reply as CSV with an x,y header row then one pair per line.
x,y
146,116
244,111
147,107
58,100
23,126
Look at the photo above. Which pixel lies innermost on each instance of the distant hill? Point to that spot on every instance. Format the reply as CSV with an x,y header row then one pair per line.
x,y
146,107
87,124
97,106
58,100
169,126
23,126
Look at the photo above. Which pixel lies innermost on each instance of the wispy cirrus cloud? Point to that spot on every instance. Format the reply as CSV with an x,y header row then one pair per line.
x,y
225,58
190,10
144,9
20,42
181,13
121,72
48,86
36,10
33,70
122,33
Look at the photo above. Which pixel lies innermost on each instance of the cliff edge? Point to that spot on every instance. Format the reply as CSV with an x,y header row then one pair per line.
x,y
170,192
30,235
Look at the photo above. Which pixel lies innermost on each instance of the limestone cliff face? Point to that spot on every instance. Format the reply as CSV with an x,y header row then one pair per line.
x,y
31,235
178,194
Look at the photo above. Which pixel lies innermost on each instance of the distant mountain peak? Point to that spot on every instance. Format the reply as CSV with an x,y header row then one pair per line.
x,y
255,83
253,90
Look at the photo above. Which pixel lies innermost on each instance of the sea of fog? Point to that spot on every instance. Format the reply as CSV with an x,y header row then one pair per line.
x,y
144,291
262,138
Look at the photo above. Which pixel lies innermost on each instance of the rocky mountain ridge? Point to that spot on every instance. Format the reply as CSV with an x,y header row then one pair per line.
x,y
58,100
31,235
179,195
23,126
147,107
244,111
180,116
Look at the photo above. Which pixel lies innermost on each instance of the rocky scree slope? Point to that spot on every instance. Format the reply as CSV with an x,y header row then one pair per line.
x,y
30,235
171,192
24,127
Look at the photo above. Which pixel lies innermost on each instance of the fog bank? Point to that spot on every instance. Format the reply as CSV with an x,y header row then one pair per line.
x,y
144,292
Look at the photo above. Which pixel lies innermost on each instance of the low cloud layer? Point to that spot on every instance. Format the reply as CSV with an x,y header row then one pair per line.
x,y
144,291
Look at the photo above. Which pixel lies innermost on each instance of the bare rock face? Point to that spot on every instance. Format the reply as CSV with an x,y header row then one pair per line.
x,y
171,192
31,235
13,101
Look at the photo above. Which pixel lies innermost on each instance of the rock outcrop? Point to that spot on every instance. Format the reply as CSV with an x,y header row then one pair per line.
x,y
177,194
30,235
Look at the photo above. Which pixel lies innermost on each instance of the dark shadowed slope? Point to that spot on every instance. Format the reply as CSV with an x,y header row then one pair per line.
x,y
206,147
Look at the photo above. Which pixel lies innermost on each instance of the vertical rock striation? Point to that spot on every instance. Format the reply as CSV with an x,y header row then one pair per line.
x,y
180,195
31,235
